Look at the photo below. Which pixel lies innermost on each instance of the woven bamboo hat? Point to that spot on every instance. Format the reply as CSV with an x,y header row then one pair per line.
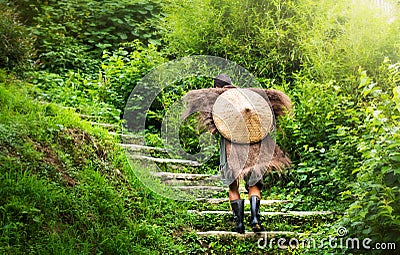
x,y
242,116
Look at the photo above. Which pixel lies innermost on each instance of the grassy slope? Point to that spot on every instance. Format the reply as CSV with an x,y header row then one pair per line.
x,y
66,188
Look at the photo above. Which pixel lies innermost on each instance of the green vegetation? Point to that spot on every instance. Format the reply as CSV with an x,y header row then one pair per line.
x,y
16,44
66,186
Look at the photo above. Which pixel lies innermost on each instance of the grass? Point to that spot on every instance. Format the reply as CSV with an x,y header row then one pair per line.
x,y
66,188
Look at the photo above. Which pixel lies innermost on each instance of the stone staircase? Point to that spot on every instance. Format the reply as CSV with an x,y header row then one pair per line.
x,y
272,210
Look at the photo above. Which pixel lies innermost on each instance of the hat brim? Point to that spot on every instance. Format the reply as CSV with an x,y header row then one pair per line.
x,y
242,116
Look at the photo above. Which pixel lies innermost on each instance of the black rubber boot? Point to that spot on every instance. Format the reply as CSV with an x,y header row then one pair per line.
x,y
255,220
238,213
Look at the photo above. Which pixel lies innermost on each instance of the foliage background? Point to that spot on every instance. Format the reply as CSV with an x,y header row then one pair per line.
x,y
337,60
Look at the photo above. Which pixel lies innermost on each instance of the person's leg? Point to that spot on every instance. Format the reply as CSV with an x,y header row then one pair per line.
x,y
237,205
234,191
254,191
255,197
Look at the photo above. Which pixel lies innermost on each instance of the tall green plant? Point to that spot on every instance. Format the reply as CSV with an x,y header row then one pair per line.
x,y
375,212
321,137
73,34
342,36
260,35
16,43
122,69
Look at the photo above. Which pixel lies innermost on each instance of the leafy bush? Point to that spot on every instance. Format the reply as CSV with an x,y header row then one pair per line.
x,y
273,39
73,90
346,149
259,35
375,212
105,93
321,137
122,69
16,43
73,34
342,36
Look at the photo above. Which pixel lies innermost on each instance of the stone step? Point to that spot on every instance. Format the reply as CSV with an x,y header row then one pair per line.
x,y
85,116
181,179
128,138
288,213
180,182
166,160
185,176
126,135
268,234
213,188
216,188
246,202
105,125
137,147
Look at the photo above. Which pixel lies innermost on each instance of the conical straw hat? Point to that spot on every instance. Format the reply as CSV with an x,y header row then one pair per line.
x,y
242,116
